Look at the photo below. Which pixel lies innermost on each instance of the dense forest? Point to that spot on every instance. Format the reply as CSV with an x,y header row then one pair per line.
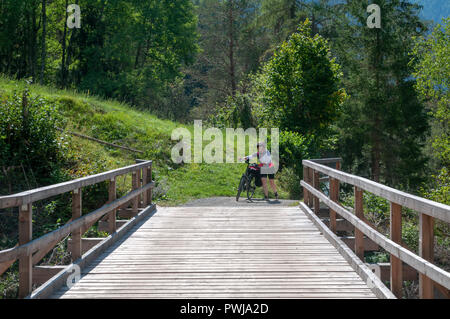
x,y
377,97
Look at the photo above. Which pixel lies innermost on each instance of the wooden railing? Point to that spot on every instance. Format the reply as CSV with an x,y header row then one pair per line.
x,y
30,251
429,274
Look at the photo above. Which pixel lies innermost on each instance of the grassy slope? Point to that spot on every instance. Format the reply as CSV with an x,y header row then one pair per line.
x,y
119,123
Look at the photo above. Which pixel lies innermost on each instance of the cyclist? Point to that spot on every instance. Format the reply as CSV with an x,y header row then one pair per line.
x,y
266,168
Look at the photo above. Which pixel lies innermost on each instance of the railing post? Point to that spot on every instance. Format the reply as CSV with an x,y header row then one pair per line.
x,y
426,251
316,185
112,195
144,182
305,191
76,213
310,182
25,261
334,196
359,212
149,180
396,263
135,201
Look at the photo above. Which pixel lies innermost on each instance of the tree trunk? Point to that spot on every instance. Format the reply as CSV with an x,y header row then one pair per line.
x,y
231,48
44,33
63,59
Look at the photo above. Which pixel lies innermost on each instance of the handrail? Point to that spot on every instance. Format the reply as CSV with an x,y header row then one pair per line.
x,y
139,197
37,194
426,206
32,246
427,209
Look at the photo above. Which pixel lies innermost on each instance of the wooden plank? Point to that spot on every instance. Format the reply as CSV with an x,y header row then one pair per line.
x,y
316,185
63,231
428,207
149,180
103,226
310,182
396,278
420,264
59,280
191,256
75,249
334,196
135,185
25,259
361,269
112,196
57,189
305,191
86,244
368,245
41,274
359,212
383,271
426,251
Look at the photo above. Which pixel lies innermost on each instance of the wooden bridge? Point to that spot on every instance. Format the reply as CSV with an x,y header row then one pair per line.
x,y
226,252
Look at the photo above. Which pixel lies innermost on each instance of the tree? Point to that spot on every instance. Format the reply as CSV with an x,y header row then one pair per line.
x,y
383,126
300,85
431,58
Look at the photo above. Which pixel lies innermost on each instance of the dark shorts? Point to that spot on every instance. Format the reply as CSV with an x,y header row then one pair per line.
x,y
270,176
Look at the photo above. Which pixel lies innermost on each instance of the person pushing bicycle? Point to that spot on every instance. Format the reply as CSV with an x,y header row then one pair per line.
x,y
267,170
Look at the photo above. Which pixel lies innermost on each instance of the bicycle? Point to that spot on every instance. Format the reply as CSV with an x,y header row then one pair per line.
x,y
248,180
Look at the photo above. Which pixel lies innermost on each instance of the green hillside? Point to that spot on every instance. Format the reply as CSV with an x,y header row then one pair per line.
x,y
118,123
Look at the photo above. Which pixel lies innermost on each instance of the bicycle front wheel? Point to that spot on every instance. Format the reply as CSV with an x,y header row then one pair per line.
x,y
240,187
251,188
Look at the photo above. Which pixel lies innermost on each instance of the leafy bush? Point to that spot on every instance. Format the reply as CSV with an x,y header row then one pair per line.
x,y
290,182
293,148
28,134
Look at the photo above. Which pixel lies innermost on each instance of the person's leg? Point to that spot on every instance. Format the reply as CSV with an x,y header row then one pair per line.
x,y
264,184
273,186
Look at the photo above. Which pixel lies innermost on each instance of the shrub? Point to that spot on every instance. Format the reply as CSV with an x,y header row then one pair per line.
x,y
28,134
290,182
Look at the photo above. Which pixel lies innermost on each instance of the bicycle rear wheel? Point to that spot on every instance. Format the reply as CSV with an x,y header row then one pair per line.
x,y
241,187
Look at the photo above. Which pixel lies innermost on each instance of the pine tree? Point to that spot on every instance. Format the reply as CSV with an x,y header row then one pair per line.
x,y
384,124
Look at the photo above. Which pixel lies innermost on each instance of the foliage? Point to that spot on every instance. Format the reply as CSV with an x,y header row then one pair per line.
x,y
432,69
293,148
125,49
383,125
237,112
28,134
289,180
301,85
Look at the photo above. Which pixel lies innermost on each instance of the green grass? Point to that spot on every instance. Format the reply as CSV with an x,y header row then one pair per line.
x,y
119,123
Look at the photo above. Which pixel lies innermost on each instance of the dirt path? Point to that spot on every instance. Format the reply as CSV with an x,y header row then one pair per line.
x,y
243,202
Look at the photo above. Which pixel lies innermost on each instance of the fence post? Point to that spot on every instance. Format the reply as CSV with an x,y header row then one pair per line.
x,y
135,185
426,251
396,263
76,234
359,212
149,180
112,195
144,182
310,182
316,185
334,196
25,261
305,191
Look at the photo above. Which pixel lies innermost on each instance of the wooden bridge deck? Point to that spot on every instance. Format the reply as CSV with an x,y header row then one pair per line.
x,y
212,252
